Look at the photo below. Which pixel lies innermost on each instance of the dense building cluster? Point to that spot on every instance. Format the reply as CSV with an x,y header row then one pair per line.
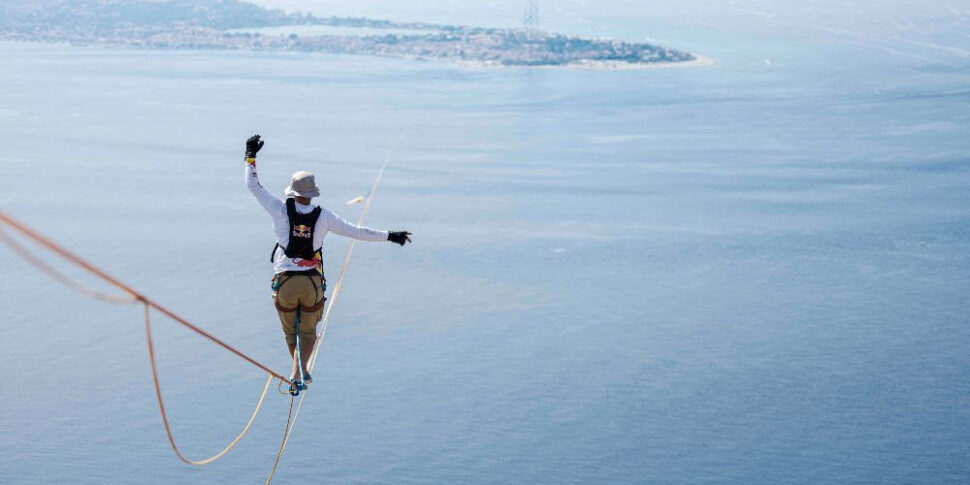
x,y
184,24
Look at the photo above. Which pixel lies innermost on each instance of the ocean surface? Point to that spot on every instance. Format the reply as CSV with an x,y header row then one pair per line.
x,y
753,272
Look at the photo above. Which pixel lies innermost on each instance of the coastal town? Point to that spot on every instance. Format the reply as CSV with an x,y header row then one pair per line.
x,y
236,25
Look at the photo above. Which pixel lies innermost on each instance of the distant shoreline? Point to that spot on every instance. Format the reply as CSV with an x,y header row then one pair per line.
x,y
239,25
698,61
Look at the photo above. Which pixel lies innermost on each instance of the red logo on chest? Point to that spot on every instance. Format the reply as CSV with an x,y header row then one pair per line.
x,y
301,231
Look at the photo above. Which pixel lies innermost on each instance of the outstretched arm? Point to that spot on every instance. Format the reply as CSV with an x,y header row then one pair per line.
x,y
340,226
270,203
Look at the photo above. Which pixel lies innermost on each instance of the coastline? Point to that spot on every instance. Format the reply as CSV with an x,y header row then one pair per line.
x,y
585,65
592,65
220,25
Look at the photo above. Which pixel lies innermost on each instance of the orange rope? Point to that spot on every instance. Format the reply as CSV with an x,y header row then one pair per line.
x,y
134,297
60,277
23,229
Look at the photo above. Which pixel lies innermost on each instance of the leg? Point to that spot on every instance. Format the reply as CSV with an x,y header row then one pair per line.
x,y
299,292
311,312
286,301
306,348
292,351
306,339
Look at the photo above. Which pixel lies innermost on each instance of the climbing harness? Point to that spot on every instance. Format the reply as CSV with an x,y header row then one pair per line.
x,y
280,279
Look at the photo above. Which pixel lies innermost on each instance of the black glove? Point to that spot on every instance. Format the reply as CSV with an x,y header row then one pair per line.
x,y
253,144
399,237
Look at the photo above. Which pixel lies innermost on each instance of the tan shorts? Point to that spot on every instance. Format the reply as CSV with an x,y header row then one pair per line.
x,y
299,294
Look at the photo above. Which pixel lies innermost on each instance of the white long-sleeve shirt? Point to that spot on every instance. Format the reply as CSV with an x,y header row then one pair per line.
x,y
328,222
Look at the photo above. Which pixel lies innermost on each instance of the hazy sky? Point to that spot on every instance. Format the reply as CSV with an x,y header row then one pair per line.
x,y
566,12
937,31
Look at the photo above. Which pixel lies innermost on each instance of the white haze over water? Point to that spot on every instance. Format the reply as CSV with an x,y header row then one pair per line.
x,y
934,25
755,272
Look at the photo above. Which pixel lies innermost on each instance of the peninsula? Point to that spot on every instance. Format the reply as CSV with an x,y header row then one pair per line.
x,y
239,25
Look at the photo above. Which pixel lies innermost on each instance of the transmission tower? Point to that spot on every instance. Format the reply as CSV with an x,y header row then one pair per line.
x,y
531,18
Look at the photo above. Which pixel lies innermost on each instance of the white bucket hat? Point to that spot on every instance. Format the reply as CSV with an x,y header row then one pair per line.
x,y
302,185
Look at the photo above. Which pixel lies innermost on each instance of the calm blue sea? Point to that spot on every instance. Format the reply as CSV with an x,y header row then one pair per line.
x,y
754,272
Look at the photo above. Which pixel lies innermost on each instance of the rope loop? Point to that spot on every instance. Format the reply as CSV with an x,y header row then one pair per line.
x,y
132,297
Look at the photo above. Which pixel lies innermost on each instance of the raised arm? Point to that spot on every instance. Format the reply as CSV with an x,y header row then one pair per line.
x,y
270,203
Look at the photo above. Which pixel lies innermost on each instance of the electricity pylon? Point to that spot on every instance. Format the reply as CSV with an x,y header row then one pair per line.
x,y
531,18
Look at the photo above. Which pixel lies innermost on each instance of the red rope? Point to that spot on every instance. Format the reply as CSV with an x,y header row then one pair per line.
x,y
132,297
61,277
26,231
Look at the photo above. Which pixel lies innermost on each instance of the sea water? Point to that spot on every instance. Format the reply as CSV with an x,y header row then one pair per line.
x,y
753,272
